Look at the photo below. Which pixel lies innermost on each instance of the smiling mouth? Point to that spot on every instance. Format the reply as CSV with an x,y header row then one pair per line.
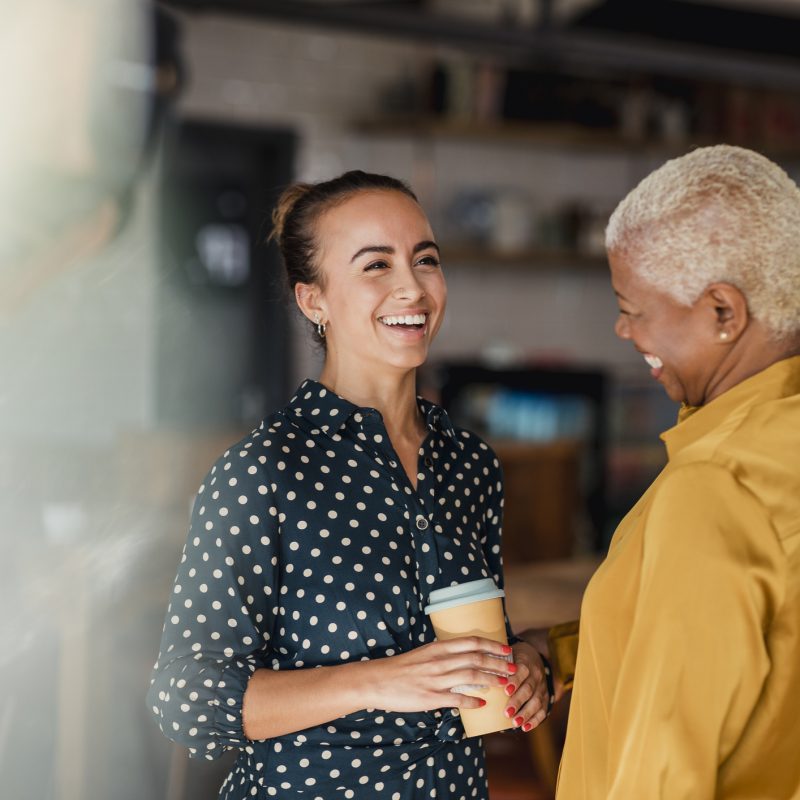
x,y
407,321
654,362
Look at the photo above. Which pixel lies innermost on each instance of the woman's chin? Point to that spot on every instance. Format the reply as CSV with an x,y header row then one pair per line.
x,y
409,363
675,392
412,358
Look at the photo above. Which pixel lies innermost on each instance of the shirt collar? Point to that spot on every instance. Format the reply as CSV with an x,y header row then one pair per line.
x,y
781,379
437,419
329,412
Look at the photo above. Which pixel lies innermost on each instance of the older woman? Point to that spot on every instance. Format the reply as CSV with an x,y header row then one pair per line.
x,y
689,661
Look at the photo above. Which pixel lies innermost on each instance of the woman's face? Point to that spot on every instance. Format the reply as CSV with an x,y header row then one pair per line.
x,y
384,293
679,343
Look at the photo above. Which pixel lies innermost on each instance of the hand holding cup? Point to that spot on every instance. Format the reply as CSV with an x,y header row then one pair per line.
x,y
475,609
423,679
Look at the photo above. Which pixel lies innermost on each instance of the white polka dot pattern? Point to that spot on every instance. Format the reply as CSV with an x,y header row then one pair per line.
x,y
309,547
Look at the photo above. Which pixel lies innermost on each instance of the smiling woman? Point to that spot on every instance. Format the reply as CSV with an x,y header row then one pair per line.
x,y
689,656
705,261
296,633
380,293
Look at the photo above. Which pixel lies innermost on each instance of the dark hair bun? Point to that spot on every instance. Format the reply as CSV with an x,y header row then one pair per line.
x,y
285,206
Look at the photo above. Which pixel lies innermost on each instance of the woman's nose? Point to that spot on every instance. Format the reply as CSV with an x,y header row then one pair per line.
x,y
621,327
408,286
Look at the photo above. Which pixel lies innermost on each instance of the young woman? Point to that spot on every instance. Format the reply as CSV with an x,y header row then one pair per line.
x,y
296,633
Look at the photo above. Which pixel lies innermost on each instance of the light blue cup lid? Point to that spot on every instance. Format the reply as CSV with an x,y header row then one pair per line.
x,y
469,592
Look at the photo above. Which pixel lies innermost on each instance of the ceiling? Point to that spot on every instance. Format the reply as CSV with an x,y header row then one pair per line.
x,y
769,27
747,41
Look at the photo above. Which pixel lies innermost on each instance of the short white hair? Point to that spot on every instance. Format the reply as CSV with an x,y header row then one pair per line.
x,y
722,214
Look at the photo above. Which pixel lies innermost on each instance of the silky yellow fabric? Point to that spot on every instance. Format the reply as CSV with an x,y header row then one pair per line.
x,y
688,675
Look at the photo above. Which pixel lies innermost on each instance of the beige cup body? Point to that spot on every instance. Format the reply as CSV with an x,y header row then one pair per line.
x,y
483,618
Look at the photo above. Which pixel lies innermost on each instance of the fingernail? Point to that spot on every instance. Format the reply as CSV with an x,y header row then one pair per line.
x,y
510,689
507,649
482,702
518,721
527,726
510,711
503,681
512,668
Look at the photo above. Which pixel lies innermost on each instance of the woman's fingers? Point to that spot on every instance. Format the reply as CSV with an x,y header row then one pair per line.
x,y
422,679
446,662
530,715
459,700
519,699
481,661
473,644
527,702
470,677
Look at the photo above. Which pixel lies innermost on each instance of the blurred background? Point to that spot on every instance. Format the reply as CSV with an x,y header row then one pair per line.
x,y
144,324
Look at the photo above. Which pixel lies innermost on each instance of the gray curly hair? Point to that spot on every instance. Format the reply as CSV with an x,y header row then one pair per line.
x,y
719,213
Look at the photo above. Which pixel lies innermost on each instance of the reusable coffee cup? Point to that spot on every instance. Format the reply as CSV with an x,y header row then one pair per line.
x,y
474,608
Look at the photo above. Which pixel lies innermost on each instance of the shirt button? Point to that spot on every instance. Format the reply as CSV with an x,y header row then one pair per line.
x,y
422,523
428,461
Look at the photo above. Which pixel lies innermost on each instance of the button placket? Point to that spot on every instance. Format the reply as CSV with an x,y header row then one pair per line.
x,y
420,526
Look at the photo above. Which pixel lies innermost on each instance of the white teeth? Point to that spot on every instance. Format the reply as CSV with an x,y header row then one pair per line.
x,y
653,361
408,319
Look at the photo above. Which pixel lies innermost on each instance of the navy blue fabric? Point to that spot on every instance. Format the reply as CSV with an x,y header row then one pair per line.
x,y
308,547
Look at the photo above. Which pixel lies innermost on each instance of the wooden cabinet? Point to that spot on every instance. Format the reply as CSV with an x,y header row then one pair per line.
x,y
542,499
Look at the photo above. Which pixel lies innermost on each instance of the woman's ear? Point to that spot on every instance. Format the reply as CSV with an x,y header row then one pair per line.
x,y
309,299
729,309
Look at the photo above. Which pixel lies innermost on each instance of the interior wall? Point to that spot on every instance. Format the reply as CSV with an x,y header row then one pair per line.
x,y
322,83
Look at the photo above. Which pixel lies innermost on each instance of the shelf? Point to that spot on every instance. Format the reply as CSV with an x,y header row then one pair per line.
x,y
530,258
556,135
508,131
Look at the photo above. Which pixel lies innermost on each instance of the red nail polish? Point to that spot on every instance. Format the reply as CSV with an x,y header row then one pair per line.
x,y
482,702
503,681
518,721
527,726
510,711
507,649
510,689
512,668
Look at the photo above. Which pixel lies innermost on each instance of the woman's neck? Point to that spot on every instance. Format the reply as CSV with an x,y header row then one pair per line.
x,y
754,353
392,393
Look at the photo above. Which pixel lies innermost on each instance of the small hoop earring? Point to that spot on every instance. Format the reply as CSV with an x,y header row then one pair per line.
x,y
321,327
723,335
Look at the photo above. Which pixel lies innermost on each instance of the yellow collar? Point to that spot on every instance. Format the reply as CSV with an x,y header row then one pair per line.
x,y
781,379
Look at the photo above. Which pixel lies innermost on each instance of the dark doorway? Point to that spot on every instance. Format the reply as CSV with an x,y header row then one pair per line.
x,y
223,340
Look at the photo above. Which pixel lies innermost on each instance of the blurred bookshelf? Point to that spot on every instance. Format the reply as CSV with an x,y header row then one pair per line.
x,y
561,136
502,132
549,429
464,254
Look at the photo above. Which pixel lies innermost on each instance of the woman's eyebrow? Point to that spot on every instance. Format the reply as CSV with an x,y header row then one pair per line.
x,y
373,248
425,246
388,250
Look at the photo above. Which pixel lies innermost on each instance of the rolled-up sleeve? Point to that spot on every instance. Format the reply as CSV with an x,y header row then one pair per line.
x,y
221,610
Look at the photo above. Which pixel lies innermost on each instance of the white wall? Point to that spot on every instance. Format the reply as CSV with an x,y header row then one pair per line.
x,y
321,83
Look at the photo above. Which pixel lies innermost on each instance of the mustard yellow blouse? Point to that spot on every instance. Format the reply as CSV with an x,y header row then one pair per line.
x,y
688,675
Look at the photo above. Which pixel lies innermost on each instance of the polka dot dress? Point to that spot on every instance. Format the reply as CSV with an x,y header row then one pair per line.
x,y
309,547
